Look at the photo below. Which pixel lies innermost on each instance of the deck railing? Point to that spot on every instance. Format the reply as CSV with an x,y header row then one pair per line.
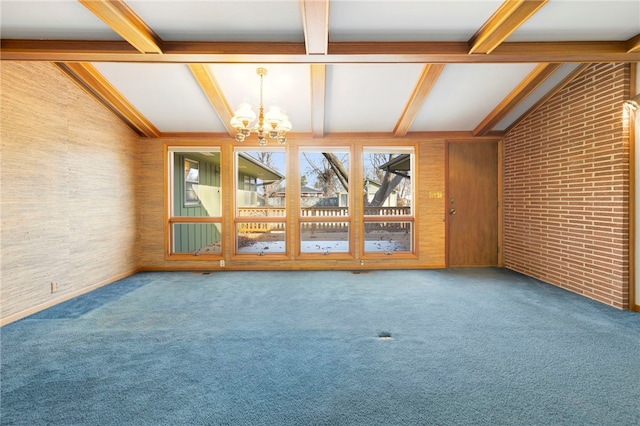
x,y
264,211
322,211
336,212
387,211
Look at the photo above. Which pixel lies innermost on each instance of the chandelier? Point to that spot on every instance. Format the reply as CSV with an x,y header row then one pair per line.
x,y
274,123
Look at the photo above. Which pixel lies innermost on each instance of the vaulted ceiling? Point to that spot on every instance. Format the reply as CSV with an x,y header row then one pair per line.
x,y
451,67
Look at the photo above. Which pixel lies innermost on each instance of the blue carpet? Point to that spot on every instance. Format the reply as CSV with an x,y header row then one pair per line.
x,y
460,347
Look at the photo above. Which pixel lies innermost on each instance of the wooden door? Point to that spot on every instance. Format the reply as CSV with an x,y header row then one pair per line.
x,y
472,205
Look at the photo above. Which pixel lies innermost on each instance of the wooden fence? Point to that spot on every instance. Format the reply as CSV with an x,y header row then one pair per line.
x,y
337,212
322,211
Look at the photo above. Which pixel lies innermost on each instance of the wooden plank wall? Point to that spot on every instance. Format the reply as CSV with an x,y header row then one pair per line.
x,y
69,171
430,189
83,197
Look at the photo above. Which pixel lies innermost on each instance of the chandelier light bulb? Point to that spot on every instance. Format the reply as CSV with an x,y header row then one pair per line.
x,y
245,114
274,116
236,123
284,126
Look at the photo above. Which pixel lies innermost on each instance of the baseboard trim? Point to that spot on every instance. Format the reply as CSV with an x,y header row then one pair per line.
x,y
209,268
63,298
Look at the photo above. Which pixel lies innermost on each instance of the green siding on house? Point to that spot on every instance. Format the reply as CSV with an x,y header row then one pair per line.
x,y
196,237
192,237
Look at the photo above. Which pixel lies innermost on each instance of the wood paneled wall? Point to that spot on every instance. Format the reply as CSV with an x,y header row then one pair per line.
x,y
566,188
70,208
429,192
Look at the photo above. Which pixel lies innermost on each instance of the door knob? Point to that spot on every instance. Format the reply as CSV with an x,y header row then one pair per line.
x,y
452,211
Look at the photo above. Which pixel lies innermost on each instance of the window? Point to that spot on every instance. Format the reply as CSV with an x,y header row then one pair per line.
x,y
195,227
324,200
260,202
387,195
320,194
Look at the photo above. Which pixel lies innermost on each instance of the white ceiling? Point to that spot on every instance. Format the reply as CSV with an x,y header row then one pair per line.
x,y
408,20
359,97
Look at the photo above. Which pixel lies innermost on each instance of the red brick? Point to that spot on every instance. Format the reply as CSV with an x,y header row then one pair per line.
x,y
566,190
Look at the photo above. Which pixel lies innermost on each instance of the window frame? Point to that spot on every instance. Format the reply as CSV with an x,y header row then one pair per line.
x,y
172,218
303,221
410,218
266,221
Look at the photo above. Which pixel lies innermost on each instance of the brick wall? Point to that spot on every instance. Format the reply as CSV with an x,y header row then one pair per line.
x,y
566,188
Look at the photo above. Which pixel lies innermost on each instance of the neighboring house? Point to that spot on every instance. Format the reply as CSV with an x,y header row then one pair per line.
x,y
400,165
370,187
196,180
309,197
253,174
197,192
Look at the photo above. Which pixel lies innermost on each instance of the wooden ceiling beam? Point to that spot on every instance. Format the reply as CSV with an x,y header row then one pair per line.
x,y
124,21
517,95
315,19
88,78
340,138
505,20
633,44
339,52
427,80
318,94
209,85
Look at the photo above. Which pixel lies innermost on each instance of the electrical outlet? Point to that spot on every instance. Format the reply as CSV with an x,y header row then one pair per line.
x,y
222,263
54,287
362,263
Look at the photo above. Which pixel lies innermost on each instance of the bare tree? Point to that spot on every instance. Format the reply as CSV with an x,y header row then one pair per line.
x,y
338,168
332,169
325,175
271,188
374,172
388,180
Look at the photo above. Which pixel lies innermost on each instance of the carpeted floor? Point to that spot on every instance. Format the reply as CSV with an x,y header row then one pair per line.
x,y
435,347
